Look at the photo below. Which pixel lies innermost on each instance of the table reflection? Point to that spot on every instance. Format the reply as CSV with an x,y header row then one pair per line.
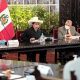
x,y
18,68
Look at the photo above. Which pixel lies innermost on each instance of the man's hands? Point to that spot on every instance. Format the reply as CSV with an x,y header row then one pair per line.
x,y
68,36
32,39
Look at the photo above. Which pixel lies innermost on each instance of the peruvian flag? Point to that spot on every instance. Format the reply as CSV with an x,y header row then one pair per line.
x,y
6,26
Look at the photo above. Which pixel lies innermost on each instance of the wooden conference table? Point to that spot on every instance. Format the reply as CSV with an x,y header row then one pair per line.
x,y
56,45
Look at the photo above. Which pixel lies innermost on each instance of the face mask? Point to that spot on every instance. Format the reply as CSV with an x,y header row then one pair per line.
x,y
67,27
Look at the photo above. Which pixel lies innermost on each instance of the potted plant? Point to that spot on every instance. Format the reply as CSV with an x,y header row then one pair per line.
x,y
20,16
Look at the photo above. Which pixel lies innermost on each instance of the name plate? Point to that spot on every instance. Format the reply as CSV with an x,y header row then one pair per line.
x,y
13,43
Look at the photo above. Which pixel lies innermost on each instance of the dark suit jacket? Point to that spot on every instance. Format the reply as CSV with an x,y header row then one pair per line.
x,y
31,33
62,32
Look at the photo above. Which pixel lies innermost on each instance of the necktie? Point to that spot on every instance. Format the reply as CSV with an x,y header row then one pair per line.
x,y
68,31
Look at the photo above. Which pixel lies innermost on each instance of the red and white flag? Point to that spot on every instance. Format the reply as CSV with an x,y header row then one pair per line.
x,y
6,26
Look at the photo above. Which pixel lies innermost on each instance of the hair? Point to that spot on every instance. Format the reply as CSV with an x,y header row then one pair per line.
x,y
33,22
67,22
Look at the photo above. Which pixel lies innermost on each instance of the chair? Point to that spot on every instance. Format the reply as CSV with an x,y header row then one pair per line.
x,y
78,30
55,33
18,34
73,65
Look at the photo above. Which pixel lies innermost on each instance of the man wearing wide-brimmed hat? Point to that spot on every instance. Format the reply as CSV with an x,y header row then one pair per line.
x,y
31,35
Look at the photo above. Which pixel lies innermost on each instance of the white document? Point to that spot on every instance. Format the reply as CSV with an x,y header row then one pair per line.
x,y
1,74
30,77
75,37
14,76
45,70
22,79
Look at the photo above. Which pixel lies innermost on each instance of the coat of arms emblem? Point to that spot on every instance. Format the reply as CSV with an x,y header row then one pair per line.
x,y
4,19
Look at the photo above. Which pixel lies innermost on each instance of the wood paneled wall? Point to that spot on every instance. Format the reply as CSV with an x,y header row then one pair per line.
x,y
70,9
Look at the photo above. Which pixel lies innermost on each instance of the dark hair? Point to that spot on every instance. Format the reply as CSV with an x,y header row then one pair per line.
x,y
33,22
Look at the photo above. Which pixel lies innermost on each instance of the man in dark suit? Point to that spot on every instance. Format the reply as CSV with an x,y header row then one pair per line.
x,y
30,35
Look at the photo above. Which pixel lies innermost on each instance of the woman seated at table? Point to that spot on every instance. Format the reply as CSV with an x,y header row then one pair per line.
x,y
30,35
66,32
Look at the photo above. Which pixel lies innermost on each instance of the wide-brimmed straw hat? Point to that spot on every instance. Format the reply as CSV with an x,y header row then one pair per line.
x,y
34,19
